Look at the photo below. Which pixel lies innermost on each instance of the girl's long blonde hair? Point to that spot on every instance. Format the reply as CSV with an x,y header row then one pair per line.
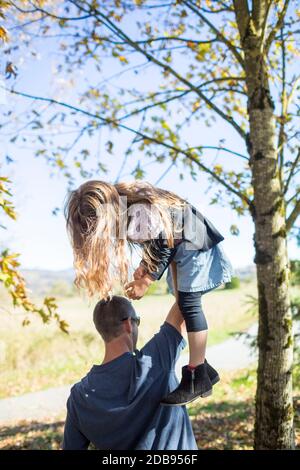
x,y
93,222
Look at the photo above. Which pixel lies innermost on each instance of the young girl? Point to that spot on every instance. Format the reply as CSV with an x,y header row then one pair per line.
x,y
104,219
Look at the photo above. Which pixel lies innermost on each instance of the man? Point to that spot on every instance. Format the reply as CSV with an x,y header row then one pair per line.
x,y
116,406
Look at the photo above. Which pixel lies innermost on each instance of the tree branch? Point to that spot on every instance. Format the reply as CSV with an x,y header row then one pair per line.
x,y
242,16
153,105
165,173
230,46
160,38
172,98
208,82
291,198
293,216
277,27
291,174
51,15
260,9
294,88
102,18
219,148
219,179
115,124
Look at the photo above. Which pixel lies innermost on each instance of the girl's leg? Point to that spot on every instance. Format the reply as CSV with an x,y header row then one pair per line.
x,y
197,346
197,377
197,330
191,308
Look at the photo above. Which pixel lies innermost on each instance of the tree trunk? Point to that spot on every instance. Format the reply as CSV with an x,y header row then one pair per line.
x,y
274,401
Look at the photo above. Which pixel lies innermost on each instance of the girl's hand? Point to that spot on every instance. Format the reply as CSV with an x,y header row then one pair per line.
x,y
135,290
139,273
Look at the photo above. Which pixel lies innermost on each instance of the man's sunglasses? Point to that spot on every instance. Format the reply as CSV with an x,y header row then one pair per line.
x,y
136,319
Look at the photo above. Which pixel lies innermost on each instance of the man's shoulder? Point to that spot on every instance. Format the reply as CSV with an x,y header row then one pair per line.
x,y
78,387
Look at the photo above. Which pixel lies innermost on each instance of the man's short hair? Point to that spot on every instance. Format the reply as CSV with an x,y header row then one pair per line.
x,y
108,316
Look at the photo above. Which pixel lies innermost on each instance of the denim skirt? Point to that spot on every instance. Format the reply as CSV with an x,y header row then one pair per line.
x,y
200,270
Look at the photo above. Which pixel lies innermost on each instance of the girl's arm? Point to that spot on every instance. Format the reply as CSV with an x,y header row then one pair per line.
x,y
165,259
165,254
146,227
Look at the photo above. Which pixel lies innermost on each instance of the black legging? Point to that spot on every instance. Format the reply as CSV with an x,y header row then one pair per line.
x,y
191,308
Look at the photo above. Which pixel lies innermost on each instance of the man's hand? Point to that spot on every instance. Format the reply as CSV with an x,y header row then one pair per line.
x,y
139,273
135,290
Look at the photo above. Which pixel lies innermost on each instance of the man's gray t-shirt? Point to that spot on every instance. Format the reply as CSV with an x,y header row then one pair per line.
x,y
116,406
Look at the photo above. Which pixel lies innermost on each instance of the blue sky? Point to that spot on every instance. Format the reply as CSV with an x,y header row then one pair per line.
x,y
41,237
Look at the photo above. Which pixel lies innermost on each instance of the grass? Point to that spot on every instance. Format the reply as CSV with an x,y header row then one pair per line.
x,y
224,421
39,356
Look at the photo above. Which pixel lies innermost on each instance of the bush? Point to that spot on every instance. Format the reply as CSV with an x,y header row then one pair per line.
x,y
157,288
62,288
295,272
295,306
233,284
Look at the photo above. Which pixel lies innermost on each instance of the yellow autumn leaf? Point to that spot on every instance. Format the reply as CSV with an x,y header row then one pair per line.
x,y
202,50
249,191
291,48
123,59
165,125
196,105
218,169
3,34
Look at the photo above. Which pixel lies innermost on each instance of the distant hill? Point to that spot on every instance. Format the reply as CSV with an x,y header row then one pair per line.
x,y
42,281
246,272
